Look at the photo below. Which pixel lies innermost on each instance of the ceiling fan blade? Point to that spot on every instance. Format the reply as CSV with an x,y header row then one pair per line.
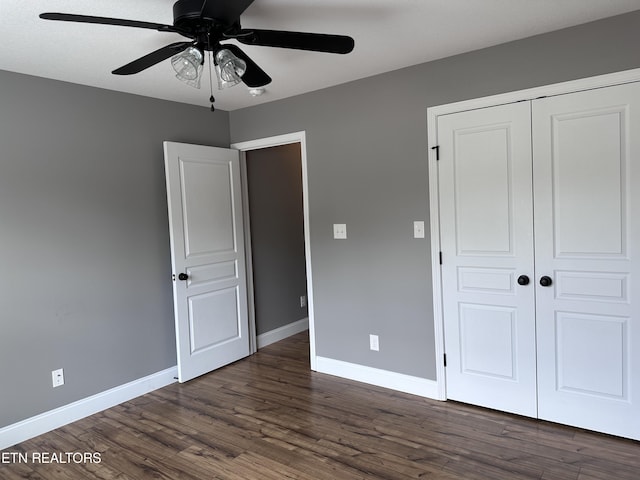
x,y
226,11
316,42
152,58
254,76
70,17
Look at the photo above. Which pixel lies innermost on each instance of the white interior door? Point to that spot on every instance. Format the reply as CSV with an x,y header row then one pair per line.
x,y
207,254
587,222
486,231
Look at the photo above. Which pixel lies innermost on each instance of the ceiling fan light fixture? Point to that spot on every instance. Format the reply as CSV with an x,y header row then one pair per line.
x,y
188,66
205,25
229,68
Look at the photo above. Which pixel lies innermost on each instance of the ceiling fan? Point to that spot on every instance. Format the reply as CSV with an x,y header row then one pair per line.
x,y
206,23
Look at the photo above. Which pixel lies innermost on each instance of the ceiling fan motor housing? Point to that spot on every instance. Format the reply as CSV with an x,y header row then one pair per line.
x,y
189,13
186,11
205,21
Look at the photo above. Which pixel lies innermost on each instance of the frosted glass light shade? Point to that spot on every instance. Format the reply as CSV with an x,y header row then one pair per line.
x,y
188,66
229,69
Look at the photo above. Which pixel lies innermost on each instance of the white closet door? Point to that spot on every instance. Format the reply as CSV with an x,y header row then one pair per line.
x,y
587,241
487,244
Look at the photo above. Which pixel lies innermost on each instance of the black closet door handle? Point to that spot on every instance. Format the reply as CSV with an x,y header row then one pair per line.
x,y
545,281
523,280
183,276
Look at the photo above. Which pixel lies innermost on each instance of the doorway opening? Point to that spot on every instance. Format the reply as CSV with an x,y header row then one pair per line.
x,y
277,242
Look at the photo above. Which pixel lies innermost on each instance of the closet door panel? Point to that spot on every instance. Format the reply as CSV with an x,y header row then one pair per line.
x,y
587,242
487,243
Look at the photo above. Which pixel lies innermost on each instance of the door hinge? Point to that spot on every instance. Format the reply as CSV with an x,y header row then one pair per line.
x,y
440,257
445,359
437,149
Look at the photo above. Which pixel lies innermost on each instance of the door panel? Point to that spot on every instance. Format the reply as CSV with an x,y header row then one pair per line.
x,y
487,341
483,218
205,216
206,333
586,157
207,230
592,355
588,169
592,286
487,243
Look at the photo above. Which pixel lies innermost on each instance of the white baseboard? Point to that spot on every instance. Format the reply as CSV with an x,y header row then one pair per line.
x,y
283,332
382,378
47,421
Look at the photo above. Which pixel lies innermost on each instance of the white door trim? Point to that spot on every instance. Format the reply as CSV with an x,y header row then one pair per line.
x,y
572,86
295,137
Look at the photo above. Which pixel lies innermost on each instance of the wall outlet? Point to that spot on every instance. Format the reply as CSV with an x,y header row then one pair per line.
x,y
374,343
418,229
57,377
303,301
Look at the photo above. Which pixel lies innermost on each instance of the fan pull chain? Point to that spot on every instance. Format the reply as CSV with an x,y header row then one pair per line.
x,y
211,98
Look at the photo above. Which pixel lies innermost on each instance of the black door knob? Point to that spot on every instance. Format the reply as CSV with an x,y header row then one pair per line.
x,y
523,280
183,276
545,281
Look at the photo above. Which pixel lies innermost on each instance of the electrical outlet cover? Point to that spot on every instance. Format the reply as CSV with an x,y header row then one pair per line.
x,y
57,377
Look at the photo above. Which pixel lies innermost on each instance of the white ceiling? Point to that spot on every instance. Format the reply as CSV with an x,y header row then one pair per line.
x,y
389,34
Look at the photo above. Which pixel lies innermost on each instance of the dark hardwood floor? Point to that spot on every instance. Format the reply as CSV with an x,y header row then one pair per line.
x,y
269,417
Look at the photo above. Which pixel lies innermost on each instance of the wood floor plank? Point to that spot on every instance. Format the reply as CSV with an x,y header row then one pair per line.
x,y
269,417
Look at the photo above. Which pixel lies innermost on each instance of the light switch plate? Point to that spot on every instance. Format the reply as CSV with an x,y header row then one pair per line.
x,y
418,229
339,231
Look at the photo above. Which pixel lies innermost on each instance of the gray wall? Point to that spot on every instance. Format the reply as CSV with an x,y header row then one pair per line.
x,y
277,235
84,244
367,160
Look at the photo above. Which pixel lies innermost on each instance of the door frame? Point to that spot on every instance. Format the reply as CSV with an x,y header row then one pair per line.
x,y
275,141
433,113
